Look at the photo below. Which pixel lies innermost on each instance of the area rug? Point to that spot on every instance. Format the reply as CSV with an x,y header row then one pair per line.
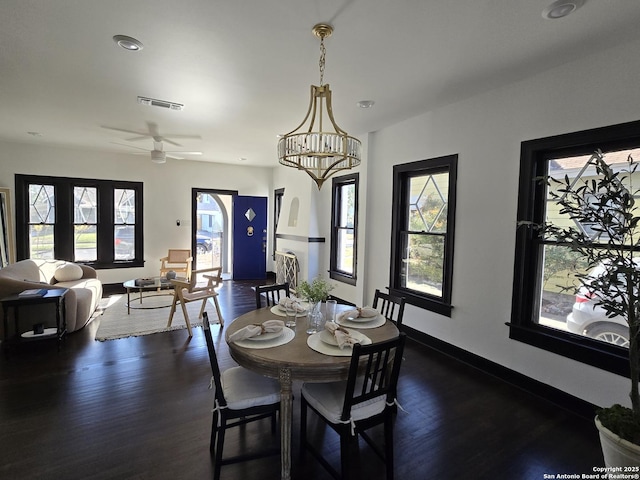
x,y
146,318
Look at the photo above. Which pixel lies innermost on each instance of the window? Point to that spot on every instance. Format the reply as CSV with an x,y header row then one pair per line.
x,y
423,221
344,228
97,222
124,224
549,309
278,195
41,220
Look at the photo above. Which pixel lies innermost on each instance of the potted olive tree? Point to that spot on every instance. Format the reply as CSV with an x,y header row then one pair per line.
x,y
606,204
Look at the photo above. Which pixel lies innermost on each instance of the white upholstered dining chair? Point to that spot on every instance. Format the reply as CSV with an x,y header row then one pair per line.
x,y
241,396
366,399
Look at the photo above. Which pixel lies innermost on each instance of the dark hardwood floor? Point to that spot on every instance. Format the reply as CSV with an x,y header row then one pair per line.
x,y
140,408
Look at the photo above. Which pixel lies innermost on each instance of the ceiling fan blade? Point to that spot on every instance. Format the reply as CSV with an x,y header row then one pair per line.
x,y
135,139
173,156
171,142
131,146
184,153
178,135
125,130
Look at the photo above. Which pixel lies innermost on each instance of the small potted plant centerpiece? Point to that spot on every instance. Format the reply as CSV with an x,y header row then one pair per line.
x,y
315,292
606,204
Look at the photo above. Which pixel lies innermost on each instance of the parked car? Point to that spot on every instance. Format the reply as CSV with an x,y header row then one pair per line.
x,y
586,318
124,242
203,243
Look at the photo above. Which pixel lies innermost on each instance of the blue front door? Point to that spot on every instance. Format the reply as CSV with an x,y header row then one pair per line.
x,y
249,238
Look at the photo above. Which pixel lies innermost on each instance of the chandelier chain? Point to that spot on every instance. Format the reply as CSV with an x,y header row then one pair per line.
x,y
323,54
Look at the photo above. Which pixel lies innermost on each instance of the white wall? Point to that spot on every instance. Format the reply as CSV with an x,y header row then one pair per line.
x,y
167,189
486,132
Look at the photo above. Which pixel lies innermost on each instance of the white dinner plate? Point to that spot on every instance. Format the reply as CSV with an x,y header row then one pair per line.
x,y
327,337
265,336
361,319
362,323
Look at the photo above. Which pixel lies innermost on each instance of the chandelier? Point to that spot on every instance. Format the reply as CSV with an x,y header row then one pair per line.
x,y
319,153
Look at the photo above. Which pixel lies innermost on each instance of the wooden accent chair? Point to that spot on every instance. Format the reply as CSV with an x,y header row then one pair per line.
x,y
364,400
188,291
391,306
272,293
241,396
178,260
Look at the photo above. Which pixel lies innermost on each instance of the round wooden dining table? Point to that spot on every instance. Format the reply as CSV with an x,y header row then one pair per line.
x,y
294,360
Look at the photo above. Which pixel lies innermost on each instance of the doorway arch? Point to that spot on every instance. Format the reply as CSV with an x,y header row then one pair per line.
x,y
211,226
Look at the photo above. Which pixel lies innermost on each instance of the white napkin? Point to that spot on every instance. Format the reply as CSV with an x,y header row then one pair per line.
x,y
341,334
364,312
295,302
257,329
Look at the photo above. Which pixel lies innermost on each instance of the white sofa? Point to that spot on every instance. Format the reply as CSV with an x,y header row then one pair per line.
x,y
85,290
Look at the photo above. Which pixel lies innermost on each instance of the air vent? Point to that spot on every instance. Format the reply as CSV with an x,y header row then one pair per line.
x,y
153,102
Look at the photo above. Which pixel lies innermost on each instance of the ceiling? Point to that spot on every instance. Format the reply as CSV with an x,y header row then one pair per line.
x,y
243,68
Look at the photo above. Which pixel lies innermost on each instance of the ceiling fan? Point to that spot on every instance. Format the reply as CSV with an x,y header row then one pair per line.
x,y
153,132
158,154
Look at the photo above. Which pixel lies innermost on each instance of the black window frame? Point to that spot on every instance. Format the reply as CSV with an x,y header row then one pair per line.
x,y
402,173
64,218
278,196
336,187
531,198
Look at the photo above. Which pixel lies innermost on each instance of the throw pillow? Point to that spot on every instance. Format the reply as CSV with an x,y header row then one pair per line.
x,y
68,272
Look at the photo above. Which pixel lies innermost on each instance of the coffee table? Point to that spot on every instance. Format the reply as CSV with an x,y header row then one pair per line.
x,y
159,283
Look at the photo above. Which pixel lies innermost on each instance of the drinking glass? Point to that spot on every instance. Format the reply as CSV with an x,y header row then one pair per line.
x,y
313,321
301,309
331,307
291,313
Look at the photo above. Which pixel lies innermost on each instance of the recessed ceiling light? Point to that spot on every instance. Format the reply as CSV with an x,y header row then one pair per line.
x,y
365,103
561,8
128,43
242,159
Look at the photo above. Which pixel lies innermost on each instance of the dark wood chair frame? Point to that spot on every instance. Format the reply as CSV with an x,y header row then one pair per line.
x,y
380,364
225,418
272,293
391,306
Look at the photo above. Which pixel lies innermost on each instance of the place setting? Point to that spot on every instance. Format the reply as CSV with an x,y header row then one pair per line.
x,y
268,334
285,303
336,340
361,318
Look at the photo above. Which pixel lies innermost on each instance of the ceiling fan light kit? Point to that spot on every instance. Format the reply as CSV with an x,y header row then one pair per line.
x,y
318,152
158,156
